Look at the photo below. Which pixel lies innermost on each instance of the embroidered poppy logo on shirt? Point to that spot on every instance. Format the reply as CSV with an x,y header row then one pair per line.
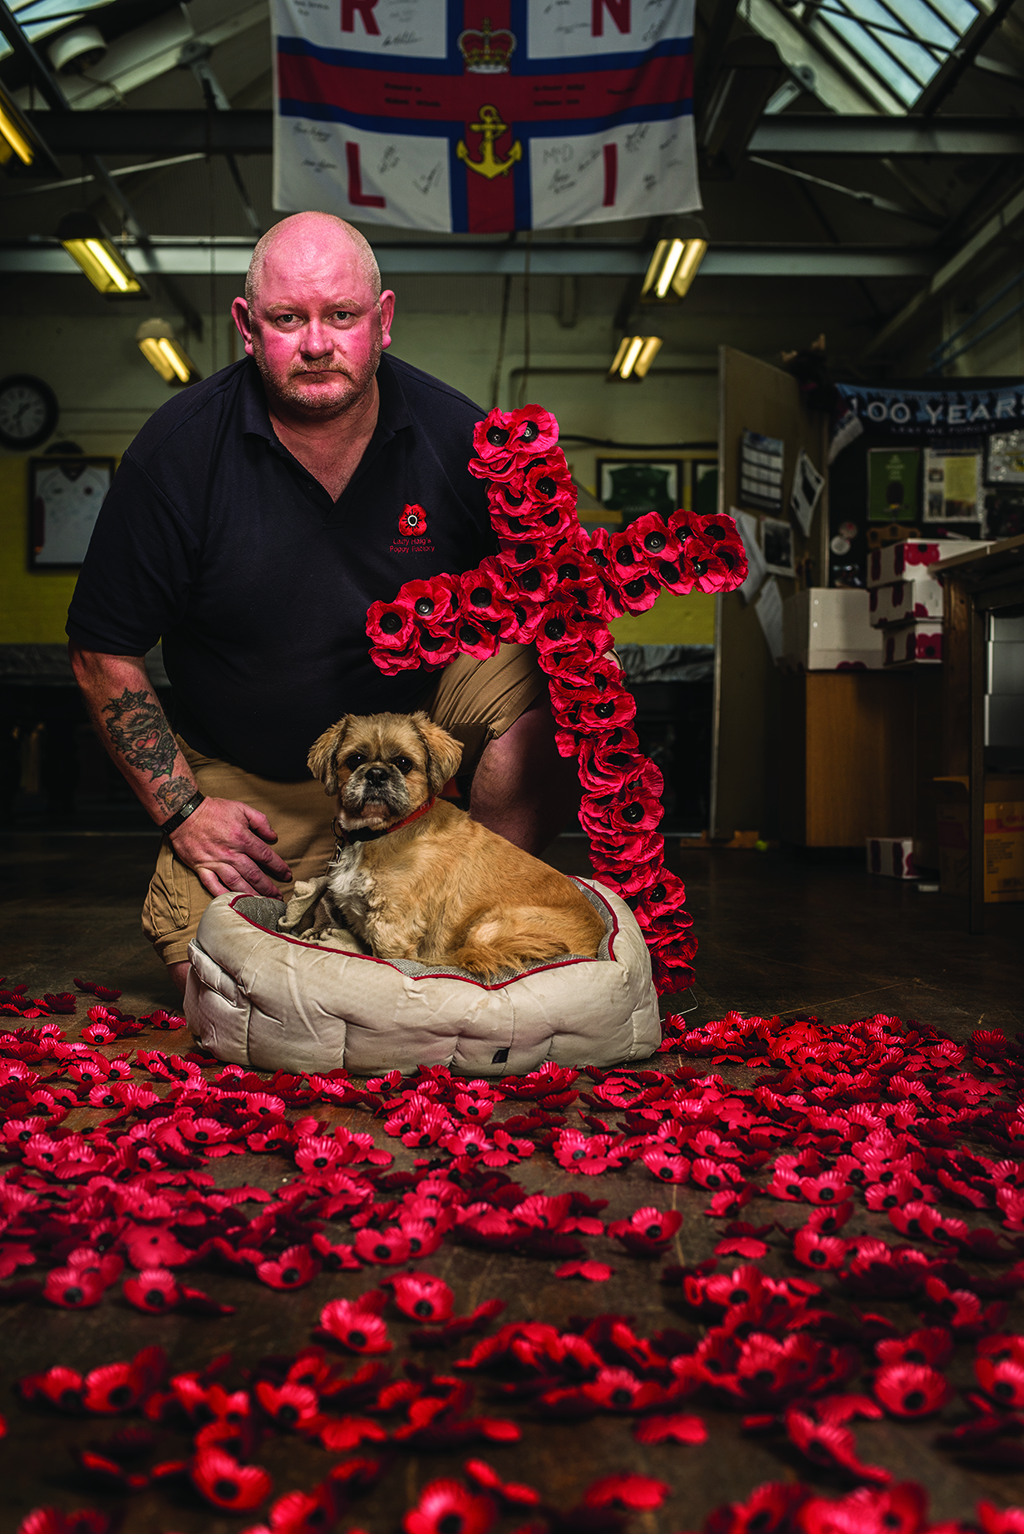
x,y
413,522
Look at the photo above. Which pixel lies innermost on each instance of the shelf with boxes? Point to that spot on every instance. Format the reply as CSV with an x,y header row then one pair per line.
x,y
906,601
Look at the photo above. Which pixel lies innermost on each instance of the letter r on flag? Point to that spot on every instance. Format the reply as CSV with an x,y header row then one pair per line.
x,y
365,9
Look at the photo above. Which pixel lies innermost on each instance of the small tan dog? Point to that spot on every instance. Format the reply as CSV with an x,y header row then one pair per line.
x,y
416,878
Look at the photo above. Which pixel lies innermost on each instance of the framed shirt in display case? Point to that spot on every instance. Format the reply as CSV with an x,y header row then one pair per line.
x,y
65,496
635,486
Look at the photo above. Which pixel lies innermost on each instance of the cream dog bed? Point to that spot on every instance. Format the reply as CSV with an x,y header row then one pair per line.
x,y
262,998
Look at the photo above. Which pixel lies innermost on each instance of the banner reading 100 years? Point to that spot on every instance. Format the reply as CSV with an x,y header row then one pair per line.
x,y
485,115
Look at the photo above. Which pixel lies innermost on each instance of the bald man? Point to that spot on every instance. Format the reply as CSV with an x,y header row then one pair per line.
x,y
250,524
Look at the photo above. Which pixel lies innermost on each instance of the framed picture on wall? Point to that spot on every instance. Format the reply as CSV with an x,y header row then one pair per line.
x,y
65,496
777,546
635,486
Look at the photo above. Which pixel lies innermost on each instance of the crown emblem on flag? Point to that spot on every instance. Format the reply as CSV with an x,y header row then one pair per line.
x,y
487,52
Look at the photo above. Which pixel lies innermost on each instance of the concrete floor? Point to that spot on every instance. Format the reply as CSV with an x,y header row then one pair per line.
x,y
777,934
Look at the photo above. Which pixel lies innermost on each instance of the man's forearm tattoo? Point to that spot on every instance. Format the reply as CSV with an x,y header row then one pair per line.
x,y
141,734
174,794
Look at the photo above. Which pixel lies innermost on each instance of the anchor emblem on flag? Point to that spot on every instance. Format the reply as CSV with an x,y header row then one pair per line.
x,y
490,127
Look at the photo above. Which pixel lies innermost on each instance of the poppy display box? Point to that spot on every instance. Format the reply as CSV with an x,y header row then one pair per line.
x,y
892,856
829,629
910,558
913,642
1004,840
905,600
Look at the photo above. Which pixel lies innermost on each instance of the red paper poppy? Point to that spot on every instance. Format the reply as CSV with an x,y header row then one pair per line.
x,y
390,625
290,1405
641,1492
388,1247
295,1268
648,1231
714,553
999,1368
768,1510
338,1434
911,1390
226,1483
488,1478
487,594
447,1507
816,1251
509,440
303,1512
113,1388
1000,1520
413,522
678,1429
666,1167
54,1520
593,1272
829,1444
355,1325
422,1296
154,1290
73,1289
900,1509
931,1345
63,1388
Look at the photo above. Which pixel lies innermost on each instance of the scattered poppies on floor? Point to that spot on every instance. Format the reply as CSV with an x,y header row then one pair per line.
x,y
878,1119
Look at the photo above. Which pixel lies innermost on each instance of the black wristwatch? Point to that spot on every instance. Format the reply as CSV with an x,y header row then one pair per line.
x,y
188,808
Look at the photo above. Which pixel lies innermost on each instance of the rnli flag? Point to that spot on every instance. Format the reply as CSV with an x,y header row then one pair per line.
x,y
484,115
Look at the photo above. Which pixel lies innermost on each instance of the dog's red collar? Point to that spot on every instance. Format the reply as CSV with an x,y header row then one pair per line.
x,y
346,838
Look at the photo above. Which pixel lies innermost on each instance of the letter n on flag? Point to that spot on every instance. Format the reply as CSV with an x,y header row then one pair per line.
x,y
485,115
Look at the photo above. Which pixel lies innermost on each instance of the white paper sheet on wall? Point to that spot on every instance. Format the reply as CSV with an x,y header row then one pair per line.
x,y
769,614
807,488
757,571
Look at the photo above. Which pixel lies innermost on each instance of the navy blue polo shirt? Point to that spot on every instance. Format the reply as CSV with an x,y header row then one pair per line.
x,y
214,538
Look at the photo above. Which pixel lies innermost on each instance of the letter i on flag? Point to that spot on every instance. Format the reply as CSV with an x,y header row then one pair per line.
x,y
484,115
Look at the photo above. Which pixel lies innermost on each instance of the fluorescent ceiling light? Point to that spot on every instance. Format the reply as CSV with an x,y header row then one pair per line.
x,y
672,269
87,242
633,359
157,344
15,133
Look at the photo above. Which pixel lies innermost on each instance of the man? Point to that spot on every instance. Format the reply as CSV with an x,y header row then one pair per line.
x,y
250,525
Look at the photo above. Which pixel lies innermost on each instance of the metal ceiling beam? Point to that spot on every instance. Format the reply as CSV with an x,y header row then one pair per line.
x,y
983,244
802,133
181,256
252,132
155,132
60,113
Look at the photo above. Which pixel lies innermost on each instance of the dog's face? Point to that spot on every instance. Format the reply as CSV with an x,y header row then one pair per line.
x,y
383,766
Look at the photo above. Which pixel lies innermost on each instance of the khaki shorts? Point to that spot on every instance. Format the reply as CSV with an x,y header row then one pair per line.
x,y
474,700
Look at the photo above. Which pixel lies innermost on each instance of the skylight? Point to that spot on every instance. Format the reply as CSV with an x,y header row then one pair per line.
x,y
38,18
902,43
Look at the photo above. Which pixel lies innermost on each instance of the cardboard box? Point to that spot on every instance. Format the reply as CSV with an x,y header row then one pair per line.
x,y
1004,844
826,629
892,856
903,600
912,557
913,642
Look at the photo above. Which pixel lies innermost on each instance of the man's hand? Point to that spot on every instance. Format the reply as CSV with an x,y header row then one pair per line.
x,y
227,844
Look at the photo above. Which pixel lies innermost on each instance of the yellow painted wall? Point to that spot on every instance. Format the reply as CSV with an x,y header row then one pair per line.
x,y
33,604
672,620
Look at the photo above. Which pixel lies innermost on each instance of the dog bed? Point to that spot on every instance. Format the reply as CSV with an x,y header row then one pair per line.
x,y
260,998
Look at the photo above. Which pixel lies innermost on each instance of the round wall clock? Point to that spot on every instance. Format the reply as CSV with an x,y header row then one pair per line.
x,y
28,411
